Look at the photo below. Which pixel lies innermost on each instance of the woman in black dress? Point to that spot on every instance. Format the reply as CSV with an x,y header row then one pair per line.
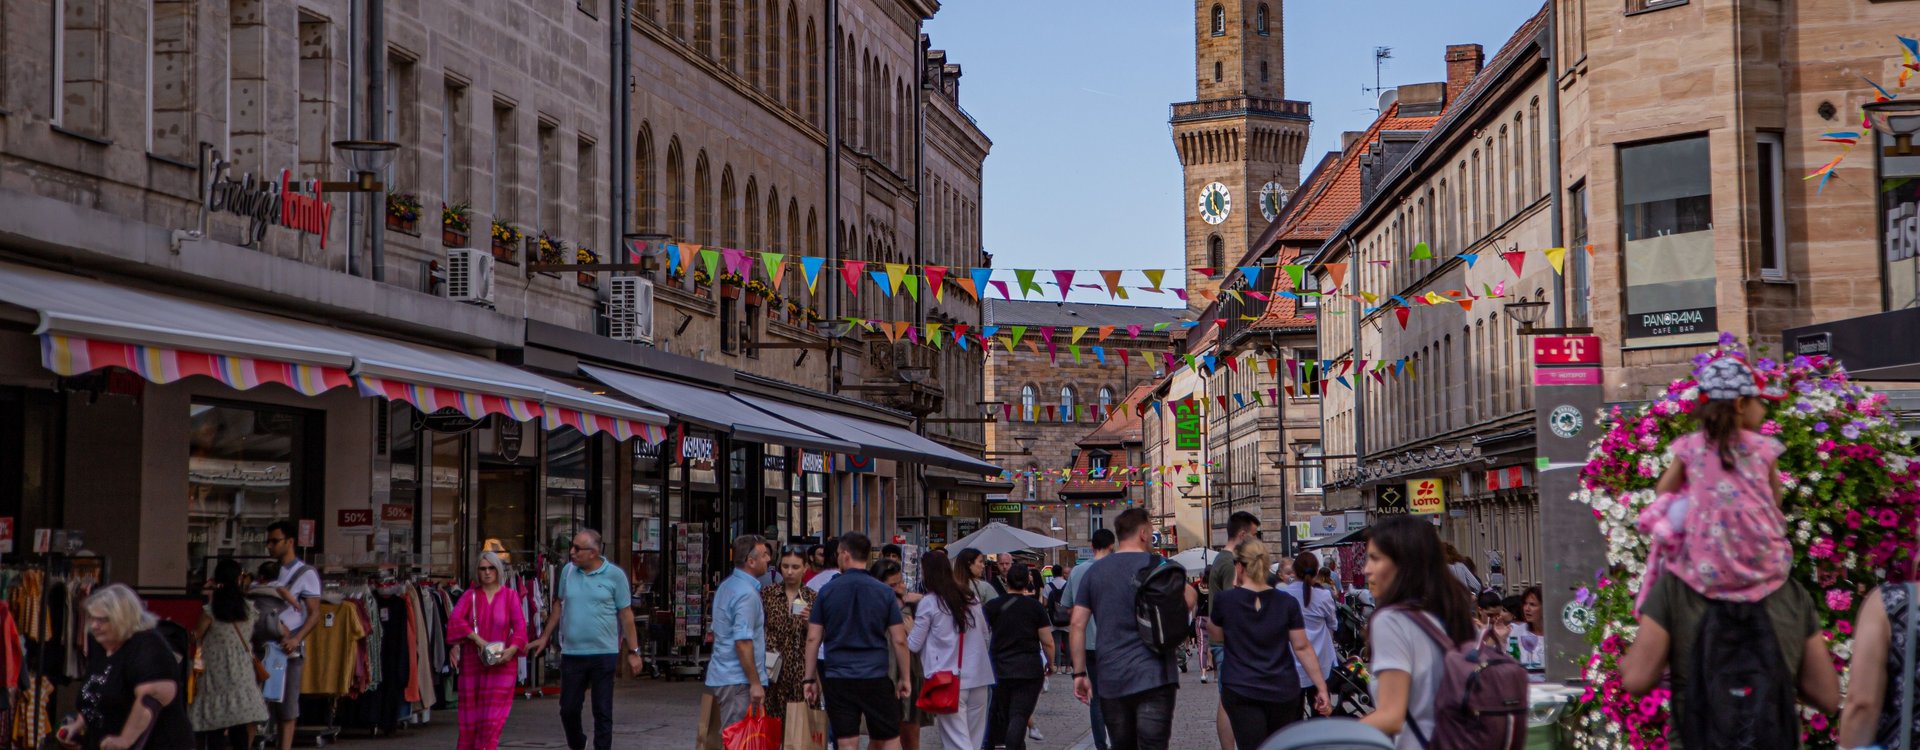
x,y
134,693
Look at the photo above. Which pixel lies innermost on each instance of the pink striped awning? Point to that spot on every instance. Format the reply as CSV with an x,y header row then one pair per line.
x,y
429,399
620,429
76,355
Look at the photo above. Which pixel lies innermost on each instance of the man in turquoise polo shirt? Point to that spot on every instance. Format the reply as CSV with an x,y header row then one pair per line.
x,y
737,675
592,611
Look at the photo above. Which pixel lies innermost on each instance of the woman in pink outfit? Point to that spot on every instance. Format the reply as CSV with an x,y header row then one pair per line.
x,y
488,613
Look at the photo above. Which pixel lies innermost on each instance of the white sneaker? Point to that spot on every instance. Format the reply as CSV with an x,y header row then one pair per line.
x,y
1033,733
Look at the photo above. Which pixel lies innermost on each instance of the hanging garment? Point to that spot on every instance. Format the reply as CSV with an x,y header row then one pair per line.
x,y
332,650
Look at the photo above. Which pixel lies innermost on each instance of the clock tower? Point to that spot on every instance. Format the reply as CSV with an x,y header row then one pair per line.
x,y
1240,141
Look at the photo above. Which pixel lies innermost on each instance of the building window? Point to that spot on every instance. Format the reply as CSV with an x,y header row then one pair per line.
x,y
1260,19
505,159
1307,383
454,148
1263,71
676,191
247,467
1216,253
546,187
1666,225
1106,399
1309,291
1311,468
402,121
586,170
1218,72
170,83
1066,403
729,318
1096,518
1636,6
1097,463
1773,219
1580,304
1219,20
1028,402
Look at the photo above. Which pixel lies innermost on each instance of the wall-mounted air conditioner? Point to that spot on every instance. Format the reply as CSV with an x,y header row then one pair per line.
x,y
630,309
470,276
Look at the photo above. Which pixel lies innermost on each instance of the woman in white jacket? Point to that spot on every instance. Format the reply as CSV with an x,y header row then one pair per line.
x,y
957,643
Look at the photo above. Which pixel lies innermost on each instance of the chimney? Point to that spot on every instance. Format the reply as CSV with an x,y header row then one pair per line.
x,y
1463,63
1348,138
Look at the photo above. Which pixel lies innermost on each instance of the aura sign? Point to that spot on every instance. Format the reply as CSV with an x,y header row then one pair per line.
x,y
288,203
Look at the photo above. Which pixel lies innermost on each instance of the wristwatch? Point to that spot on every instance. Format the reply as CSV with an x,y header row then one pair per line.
x,y
635,651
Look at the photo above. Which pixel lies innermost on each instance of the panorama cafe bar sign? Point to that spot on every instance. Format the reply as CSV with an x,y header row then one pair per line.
x,y
288,203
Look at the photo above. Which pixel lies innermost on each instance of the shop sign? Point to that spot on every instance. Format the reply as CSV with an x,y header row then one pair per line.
x,y
447,421
396,513
6,535
507,434
42,541
1427,496
697,452
1186,427
1328,525
813,462
936,537
1390,500
1004,508
306,533
354,521
287,203
1813,344
966,526
1672,322
1508,478
770,461
1566,376
856,464
1557,351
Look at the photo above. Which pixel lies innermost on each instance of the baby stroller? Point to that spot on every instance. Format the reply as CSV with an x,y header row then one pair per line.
x,y
1348,686
1329,734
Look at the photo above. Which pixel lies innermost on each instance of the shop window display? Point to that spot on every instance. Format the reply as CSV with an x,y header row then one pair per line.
x,y
247,467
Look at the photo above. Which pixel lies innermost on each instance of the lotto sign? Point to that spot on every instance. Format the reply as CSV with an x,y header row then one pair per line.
x,y
1426,497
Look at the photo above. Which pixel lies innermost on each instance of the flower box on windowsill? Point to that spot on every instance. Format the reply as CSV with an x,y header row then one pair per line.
x,y
504,252
452,238
403,226
703,292
587,279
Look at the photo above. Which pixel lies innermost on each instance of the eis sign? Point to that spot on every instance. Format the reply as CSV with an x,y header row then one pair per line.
x,y
287,203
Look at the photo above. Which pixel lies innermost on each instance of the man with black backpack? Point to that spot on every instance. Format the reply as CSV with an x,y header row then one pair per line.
x,y
1145,609
1060,612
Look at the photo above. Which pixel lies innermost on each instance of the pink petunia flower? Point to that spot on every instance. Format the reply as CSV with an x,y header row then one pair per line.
x,y
1839,599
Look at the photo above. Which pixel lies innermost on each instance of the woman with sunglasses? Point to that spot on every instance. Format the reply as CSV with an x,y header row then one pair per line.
x,y
787,606
488,615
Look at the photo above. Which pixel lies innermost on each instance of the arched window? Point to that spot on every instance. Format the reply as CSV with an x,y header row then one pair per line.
x,y
1028,399
649,187
753,42
1219,20
775,53
1216,253
813,76
1106,399
1260,19
773,220
703,229
794,71
676,191
1263,71
755,240
1066,403
729,210
1217,70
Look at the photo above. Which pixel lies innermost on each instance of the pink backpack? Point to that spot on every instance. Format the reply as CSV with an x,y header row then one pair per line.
x,y
1481,703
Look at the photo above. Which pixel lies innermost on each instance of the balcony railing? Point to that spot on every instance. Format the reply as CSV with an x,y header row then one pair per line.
x,y
1251,105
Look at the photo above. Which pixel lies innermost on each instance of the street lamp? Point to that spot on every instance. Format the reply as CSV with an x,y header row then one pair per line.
x,y
1026,447
1899,119
1527,313
913,374
367,159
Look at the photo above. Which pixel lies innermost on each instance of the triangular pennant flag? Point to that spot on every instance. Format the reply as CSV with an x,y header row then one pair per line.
x,y
933,333
1466,304
1025,276
1002,286
1133,331
1517,259
1589,251
909,330
1421,252
1112,278
1100,353
1252,274
980,278
1239,401
880,280
1076,332
673,261
689,254
912,283
1123,356
1075,349
1223,401
1556,257
850,271
896,272
1342,379
966,284
1065,279
1337,275
1402,313
1019,332
1154,275
1470,258
711,259
1297,274
810,268
1233,365
775,266
1104,332
893,333
1181,293
935,274
736,261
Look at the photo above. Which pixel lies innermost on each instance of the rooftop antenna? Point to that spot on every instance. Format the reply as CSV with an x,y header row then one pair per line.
x,y
1380,56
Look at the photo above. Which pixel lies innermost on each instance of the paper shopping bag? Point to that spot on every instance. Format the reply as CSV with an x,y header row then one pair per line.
x,y
805,728
707,736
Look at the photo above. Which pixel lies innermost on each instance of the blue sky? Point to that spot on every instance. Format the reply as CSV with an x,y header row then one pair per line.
x,y
1083,173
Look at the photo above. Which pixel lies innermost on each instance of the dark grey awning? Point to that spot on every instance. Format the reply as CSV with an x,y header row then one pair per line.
x,y
875,439
715,409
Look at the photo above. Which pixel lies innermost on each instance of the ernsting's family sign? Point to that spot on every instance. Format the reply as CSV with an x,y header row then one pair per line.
x,y
294,205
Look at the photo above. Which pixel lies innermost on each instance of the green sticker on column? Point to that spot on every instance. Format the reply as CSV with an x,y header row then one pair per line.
x,y
1540,463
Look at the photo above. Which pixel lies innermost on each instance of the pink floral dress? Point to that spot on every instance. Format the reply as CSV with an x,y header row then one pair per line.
x,y
1732,541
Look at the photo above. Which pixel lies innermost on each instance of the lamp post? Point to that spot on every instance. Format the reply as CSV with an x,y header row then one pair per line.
x,y
367,159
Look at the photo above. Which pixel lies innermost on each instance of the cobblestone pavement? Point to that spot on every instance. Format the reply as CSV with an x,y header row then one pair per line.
x,y
657,714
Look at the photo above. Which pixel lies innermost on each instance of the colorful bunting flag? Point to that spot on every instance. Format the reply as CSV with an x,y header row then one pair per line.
x,y
1556,257
1517,259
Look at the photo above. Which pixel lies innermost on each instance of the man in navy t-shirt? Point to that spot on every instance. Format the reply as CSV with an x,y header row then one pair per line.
x,y
1136,685
855,620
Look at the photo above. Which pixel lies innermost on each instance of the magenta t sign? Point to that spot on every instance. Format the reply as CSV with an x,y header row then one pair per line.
x,y
1562,351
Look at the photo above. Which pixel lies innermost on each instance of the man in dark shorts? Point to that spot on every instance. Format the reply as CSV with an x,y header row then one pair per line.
x,y
1137,686
855,620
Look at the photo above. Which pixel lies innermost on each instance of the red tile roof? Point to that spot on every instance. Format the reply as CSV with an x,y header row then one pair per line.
x,y
1122,426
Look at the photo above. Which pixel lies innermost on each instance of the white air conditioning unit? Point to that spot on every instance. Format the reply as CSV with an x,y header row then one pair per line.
x,y
630,309
470,276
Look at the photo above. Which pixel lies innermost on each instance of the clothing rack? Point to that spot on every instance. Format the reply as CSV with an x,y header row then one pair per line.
x,y
52,628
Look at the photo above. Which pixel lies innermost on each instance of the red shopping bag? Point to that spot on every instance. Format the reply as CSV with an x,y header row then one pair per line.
x,y
756,732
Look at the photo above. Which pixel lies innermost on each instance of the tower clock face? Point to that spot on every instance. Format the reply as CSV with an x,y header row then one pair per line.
x,y
1215,203
1273,198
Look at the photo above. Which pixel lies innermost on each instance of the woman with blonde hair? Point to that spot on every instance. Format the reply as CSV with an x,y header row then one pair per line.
x,y
1259,685
135,695
491,630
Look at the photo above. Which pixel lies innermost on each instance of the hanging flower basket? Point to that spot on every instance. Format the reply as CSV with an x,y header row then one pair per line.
x,y
506,242
403,213
455,223
758,292
702,284
546,250
730,284
583,256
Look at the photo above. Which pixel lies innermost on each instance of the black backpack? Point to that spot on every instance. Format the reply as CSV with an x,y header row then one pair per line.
x,y
1160,605
1739,693
1057,610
